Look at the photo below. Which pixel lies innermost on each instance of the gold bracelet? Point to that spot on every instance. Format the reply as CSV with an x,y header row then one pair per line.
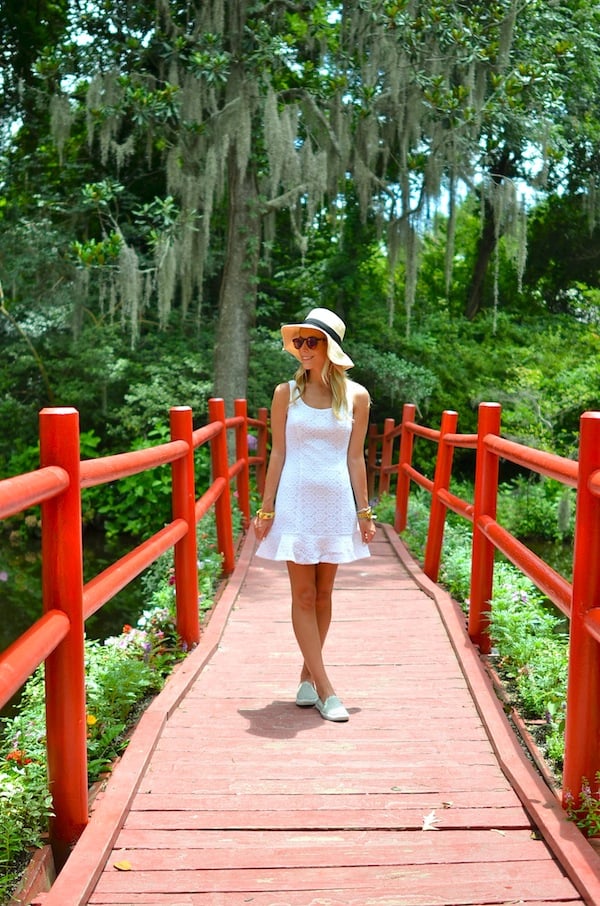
x,y
366,513
260,514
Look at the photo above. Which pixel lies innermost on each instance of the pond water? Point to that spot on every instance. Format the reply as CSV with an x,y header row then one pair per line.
x,y
21,589
558,554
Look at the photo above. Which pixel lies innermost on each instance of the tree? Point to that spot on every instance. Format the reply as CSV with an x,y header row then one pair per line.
x,y
25,30
550,89
263,107
211,94
192,125
455,97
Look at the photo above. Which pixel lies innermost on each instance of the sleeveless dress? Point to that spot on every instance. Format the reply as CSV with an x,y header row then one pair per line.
x,y
315,512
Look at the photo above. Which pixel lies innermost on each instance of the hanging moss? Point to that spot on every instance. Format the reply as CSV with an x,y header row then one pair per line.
x,y
397,107
166,280
61,119
130,290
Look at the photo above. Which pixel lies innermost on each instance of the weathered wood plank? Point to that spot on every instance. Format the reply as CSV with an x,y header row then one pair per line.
x,y
431,884
298,818
471,799
196,850
302,898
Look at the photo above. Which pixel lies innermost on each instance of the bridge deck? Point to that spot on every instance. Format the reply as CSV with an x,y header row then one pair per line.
x,y
237,796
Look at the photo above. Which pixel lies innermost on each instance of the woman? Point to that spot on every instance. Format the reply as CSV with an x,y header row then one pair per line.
x,y
315,512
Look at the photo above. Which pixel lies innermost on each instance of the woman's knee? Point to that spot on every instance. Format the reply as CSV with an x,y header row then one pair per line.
x,y
305,599
323,600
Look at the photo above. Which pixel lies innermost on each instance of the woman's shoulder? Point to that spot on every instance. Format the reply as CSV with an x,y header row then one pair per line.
x,y
284,388
357,392
282,394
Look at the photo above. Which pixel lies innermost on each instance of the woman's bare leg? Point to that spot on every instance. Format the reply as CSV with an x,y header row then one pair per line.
x,y
312,588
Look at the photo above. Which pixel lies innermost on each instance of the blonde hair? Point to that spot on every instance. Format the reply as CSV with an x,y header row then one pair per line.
x,y
334,376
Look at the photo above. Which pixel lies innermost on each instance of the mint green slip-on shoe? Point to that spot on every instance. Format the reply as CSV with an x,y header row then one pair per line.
x,y
332,709
306,695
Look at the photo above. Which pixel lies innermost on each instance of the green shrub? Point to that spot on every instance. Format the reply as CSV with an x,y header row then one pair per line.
x,y
25,801
537,508
586,812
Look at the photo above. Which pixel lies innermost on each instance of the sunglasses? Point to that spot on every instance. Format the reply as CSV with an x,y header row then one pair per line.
x,y
311,342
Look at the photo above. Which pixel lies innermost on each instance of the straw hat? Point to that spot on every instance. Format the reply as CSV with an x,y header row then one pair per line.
x,y
327,323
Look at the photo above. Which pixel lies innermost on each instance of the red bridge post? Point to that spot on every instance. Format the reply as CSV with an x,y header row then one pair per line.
x,y
406,450
582,733
241,452
62,589
184,507
485,498
220,461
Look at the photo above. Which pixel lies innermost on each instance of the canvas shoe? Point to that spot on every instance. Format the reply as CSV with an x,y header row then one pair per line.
x,y
332,709
306,696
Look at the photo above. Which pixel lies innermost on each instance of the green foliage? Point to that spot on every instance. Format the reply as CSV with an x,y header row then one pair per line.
x,y
25,802
120,676
26,31
585,809
147,402
269,366
95,253
385,508
25,806
455,569
532,507
392,381
543,370
533,646
415,534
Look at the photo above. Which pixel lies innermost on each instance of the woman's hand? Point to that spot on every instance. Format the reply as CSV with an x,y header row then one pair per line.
x,y
367,529
262,525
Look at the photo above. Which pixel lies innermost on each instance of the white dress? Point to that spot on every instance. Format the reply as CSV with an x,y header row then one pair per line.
x,y
315,512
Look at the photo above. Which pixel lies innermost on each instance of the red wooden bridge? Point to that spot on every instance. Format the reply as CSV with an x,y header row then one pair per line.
x,y
228,793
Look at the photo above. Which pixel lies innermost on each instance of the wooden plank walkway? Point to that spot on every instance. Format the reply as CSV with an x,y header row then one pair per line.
x,y
239,797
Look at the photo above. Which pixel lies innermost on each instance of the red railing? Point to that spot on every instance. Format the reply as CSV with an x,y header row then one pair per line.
x,y
579,600
57,637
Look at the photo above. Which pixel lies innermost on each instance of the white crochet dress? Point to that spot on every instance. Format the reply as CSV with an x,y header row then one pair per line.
x,y
315,519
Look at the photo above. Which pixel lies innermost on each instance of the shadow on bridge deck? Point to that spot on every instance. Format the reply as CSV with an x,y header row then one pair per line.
x,y
229,794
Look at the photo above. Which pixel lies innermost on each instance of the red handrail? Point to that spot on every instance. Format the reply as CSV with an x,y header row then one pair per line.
x,y
57,637
579,600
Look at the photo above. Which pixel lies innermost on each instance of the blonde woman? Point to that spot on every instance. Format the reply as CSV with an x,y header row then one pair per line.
x,y
315,512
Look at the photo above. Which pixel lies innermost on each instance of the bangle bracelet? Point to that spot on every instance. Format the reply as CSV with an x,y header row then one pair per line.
x,y
366,513
261,514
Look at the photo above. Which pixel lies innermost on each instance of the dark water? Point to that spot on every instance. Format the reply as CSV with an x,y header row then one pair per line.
x,y
21,589
558,554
